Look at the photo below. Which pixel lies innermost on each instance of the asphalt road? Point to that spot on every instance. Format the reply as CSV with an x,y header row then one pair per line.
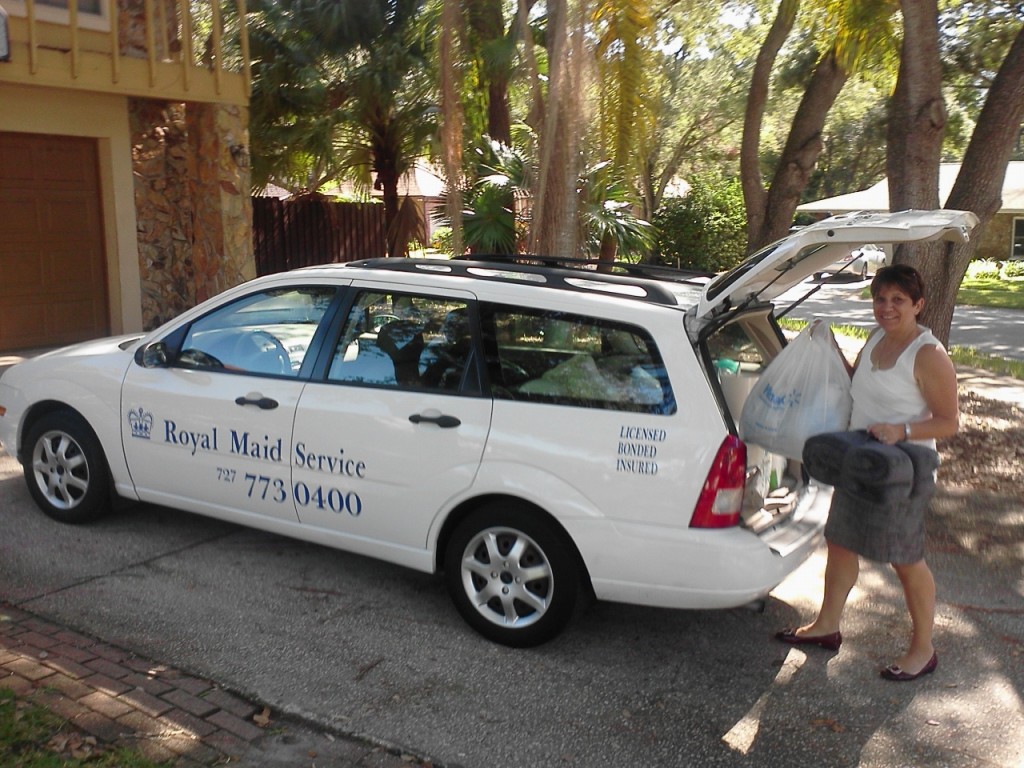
x,y
366,648
997,332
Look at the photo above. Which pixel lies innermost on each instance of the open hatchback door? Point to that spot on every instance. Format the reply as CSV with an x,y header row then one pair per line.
x,y
778,267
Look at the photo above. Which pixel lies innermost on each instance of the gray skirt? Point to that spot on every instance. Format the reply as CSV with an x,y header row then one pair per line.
x,y
886,533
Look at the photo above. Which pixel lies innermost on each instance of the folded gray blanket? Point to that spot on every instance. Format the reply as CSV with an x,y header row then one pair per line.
x,y
925,462
824,454
866,469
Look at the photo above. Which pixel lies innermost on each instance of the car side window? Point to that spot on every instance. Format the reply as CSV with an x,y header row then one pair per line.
x,y
406,341
555,357
265,333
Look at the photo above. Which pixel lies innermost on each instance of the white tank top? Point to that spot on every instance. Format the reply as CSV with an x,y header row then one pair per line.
x,y
890,395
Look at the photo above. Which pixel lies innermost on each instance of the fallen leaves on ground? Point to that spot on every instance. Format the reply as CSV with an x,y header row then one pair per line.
x,y
74,745
262,719
988,452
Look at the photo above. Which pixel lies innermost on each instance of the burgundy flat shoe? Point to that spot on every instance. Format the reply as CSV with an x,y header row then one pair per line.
x,y
893,672
828,642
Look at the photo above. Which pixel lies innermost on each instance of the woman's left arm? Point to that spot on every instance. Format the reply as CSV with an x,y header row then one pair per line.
x,y
936,378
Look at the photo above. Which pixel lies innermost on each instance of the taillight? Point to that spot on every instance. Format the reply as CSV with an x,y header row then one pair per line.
x,y
721,499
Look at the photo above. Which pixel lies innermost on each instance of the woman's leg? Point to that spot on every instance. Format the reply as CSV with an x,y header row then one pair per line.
x,y
841,570
919,591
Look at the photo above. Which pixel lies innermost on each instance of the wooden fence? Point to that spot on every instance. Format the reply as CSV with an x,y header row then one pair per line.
x,y
299,233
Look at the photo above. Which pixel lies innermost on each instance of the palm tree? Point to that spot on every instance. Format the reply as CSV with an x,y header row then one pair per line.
x,y
389,114
295,46
342,89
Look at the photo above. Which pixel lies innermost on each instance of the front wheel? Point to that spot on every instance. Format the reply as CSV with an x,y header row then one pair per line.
x,y
65,468
512,576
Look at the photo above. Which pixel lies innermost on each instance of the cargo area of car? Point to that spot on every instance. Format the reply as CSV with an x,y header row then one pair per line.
x,y
739,352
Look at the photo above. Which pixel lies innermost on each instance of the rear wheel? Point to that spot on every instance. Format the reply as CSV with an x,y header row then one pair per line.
x,y
65,468
512,576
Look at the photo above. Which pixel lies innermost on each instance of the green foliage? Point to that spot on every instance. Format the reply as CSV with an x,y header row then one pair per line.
x,y
706,230
983,269
853,157
488,221
341,89
1013,269
441,240
488,224
611,228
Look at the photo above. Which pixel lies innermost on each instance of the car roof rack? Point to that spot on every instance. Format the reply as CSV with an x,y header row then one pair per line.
x,y
641,282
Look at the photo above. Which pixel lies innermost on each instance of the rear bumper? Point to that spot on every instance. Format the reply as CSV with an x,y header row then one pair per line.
x,y
704,569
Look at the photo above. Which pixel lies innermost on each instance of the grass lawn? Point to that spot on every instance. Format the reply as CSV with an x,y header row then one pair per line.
x,y
992,292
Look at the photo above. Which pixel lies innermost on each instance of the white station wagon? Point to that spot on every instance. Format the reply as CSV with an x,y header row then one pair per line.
x,y
539,430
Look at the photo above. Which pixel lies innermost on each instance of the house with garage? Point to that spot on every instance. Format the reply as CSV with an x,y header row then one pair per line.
x,y
1001,239
124,164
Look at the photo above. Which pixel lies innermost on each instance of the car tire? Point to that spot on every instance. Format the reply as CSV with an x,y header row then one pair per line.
x,y
65,468
512,575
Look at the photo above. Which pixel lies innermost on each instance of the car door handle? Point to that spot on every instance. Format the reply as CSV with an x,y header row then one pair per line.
x,y
443,421
263,403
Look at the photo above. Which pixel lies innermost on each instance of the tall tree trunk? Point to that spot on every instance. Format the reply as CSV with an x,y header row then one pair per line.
x,y
535,118
451,127
388,180
979,185
917,113
917,121
488,22
803,146
754,194
555,210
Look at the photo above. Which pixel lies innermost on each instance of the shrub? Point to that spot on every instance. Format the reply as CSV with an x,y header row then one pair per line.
x,y
1013,268
706,230
983,269
441,240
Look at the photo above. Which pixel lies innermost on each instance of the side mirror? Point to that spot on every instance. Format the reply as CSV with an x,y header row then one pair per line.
x,y
152,355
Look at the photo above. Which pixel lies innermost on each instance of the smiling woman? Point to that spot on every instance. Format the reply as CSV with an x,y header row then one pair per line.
x,y
904,394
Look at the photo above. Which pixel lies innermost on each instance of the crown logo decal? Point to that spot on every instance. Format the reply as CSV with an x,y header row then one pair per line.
x,y
141,422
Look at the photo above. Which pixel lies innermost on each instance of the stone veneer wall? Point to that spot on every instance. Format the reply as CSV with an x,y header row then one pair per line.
x,y
163,208
222,254
192,204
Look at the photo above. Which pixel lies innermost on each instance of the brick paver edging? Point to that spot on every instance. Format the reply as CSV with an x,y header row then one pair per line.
x,y
115,695
166,714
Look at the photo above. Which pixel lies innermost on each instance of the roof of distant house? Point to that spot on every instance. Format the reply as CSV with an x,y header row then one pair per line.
x,y
876,198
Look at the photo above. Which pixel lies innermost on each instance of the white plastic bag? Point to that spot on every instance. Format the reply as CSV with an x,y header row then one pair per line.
x,y
804,391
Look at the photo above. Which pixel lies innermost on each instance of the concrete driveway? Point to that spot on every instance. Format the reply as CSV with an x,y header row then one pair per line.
x,y
364,648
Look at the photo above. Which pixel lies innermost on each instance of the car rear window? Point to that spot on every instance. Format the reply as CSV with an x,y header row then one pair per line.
x,y
547,356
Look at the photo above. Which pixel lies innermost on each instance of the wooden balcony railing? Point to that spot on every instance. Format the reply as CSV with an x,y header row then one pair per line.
x,y
178,50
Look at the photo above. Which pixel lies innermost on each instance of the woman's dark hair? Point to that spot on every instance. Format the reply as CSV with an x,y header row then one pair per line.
x,y
901,276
